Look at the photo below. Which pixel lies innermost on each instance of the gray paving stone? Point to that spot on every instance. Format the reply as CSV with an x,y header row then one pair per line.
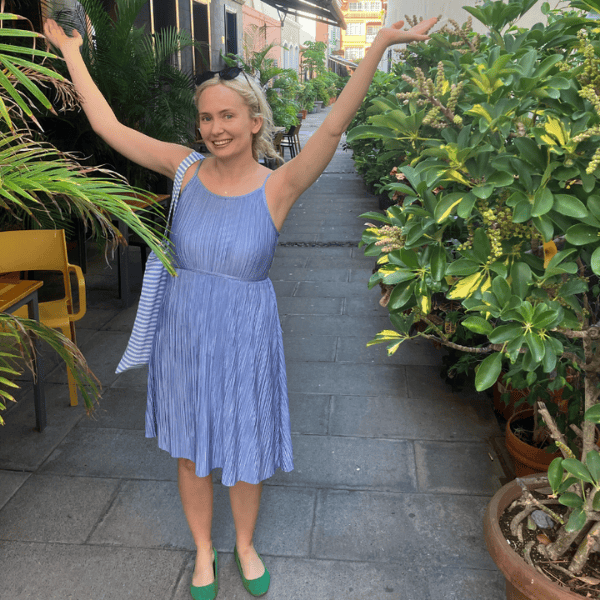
x,y
404,418
121,408
102,352
387,465
342,262
466,584
135,379
346,233
309,251
22,447
123,321
299,348
346,379
50,508
148,514
31,571
294,579
359,275
309,413
326,289
467,468
290,261
365,303
284,288
411,529
96,318
291,236
118,453
294,274
339,325
10,482
310,306
411,352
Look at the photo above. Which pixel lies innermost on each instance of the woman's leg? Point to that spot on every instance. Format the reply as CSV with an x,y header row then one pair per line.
x,y
245,502
197,500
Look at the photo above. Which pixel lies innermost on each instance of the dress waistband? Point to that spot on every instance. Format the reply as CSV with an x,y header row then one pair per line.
x,y
213,274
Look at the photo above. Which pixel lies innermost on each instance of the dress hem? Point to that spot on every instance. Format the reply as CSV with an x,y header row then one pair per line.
x,y
272,471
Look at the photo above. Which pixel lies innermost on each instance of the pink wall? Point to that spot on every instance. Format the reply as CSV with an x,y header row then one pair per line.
x,y
253,17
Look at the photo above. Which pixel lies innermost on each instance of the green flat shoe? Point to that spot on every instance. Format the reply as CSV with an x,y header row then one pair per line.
x,y
207,592
256,587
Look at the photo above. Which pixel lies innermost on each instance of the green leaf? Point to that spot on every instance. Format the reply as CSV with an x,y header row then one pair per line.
x,y
530,151
555,473
550,358
501,289
593,414
462,267
478,325
566,484
488,372
501,179
596,501
481,245
438,263
545,226
576,521
446,205
398,276
579,235
542,202
571,499
536,346
578,469
592,462
505,333
400,296
595,261
466,206
521,278
570,206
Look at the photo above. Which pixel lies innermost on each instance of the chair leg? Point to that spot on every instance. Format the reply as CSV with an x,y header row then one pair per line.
x,y
70,333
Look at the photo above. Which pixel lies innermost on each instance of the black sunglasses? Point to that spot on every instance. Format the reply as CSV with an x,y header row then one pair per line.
x,y
226,74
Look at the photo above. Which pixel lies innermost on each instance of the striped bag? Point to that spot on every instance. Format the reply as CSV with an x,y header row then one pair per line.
x,y
139,347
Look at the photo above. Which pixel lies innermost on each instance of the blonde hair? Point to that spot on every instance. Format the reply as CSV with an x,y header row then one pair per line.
x,y
255,100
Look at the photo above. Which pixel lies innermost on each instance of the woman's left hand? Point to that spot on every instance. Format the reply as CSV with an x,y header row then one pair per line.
x,y
394,34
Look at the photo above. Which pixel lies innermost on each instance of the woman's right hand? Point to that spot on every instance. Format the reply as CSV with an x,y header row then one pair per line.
x,y
56,35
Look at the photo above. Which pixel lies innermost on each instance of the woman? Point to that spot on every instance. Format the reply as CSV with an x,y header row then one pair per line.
x,y
217,390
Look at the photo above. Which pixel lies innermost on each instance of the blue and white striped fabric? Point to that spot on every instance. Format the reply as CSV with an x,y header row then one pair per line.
x,y
217,388
139,347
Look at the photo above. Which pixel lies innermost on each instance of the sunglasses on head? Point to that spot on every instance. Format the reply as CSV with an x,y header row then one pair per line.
x,y
226,74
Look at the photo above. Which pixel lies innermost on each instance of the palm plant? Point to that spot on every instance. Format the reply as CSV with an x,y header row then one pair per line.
x,y
138,75
40,181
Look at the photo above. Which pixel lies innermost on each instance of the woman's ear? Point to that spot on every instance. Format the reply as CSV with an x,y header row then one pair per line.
x,y
257,123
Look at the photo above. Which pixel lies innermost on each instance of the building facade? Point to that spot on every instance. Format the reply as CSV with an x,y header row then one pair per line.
x,y
363,20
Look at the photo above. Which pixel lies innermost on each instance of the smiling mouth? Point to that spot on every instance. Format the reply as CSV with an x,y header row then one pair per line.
x,y
220,143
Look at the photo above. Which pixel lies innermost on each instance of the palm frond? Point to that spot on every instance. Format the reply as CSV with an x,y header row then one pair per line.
x,y
16,348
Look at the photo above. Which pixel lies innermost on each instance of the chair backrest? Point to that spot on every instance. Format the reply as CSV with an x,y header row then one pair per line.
x,y
35,250
292,130
277,141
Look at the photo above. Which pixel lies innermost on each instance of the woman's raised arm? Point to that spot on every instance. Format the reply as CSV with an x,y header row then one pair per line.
x,y
289,181
148,152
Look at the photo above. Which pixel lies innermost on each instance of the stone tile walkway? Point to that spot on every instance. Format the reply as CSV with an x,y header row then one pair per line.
x,y
393,470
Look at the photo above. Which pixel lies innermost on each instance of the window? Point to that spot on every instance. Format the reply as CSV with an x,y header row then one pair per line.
x,y
355,29
231,46
353,53
365,6
373,29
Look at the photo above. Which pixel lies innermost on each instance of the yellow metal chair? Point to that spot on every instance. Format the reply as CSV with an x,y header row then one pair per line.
x,y
46,250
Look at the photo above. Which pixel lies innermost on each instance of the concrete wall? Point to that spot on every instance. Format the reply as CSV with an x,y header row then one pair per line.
x,y
254,19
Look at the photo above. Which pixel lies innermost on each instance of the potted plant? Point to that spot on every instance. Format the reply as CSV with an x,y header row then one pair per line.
x,y
498,136
40,181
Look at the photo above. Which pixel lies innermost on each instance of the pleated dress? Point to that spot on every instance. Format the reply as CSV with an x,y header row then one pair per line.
x,y
217,390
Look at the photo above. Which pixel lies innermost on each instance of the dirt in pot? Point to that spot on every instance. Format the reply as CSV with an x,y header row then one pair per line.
x,y
532,537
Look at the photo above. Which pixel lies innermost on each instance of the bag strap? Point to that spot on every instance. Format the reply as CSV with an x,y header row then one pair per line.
x,y
186,163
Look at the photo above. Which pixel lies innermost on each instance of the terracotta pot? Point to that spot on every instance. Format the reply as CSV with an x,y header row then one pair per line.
x,y
523,582
528,459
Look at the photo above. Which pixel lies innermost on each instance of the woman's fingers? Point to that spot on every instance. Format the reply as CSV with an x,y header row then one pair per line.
x,y
424,26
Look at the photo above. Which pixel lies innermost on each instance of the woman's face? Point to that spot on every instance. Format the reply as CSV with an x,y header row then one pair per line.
x,y
225,123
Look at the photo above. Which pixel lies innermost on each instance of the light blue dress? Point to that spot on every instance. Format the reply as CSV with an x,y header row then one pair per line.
x,y
217,390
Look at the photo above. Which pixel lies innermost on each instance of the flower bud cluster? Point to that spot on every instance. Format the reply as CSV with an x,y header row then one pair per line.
x,y
391,238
